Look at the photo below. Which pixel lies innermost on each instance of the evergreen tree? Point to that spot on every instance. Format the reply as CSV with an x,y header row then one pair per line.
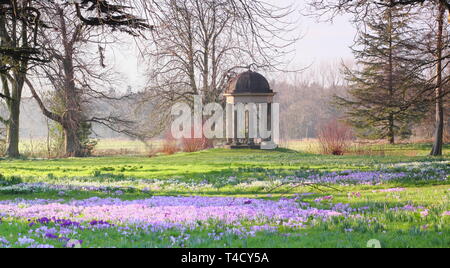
x,y
383,100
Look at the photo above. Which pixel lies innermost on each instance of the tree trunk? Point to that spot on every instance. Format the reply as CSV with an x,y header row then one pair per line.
x,y
72,143
392,140
439,134
72,118
390,77
391,134
18,38
13,128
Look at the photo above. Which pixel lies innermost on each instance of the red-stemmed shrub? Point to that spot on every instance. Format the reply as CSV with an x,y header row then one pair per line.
x,y
190,145
335,137
169,145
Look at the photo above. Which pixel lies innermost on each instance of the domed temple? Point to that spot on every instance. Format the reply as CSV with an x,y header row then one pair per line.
x,y
249,83
250,90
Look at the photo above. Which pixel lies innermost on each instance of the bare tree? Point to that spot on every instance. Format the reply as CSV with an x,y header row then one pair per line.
x,y
80,79
20,22
199,44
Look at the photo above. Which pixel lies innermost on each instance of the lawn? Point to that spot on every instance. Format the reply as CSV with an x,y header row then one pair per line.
x,y
224,198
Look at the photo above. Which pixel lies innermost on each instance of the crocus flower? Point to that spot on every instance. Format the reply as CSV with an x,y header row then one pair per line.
x,y
424,213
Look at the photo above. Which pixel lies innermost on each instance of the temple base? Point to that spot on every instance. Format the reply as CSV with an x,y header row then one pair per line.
x,y
243,146
268,145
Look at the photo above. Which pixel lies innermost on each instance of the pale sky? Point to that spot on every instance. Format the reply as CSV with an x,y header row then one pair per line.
x,y
322,42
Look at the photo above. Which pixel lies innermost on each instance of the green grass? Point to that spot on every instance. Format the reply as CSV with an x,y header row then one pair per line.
x,y
215,167
216,162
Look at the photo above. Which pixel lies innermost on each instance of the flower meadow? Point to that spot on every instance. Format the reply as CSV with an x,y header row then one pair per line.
x,y
53,220
402,205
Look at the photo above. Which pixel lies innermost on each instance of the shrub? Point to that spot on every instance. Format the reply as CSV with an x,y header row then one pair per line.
x,y
190,145
335,138
87,144
194,145
170,145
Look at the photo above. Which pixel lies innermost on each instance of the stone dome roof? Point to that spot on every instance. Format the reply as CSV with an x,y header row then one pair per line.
x,y
249,83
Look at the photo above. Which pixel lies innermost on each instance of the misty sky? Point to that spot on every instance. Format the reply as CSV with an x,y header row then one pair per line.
x,y
321,42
